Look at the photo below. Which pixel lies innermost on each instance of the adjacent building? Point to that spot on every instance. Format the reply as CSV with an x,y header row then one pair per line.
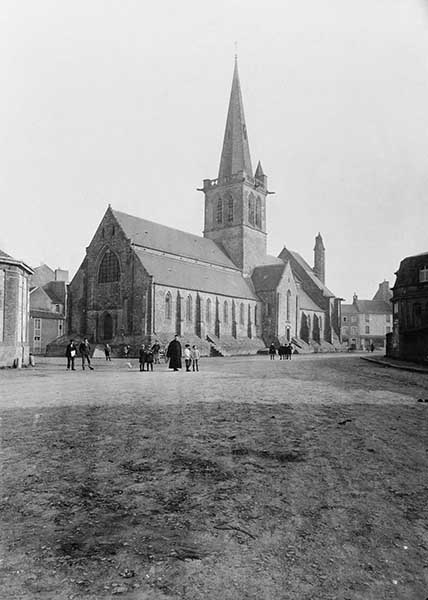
x,y
409,338
141,281
14,311
48,302
367,322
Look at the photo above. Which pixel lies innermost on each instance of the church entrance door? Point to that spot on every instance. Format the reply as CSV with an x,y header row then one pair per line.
x,y
107,327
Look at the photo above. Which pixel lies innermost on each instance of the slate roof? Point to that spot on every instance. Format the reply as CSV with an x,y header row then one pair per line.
x,y
167,239
301,261
167,270
56,291
373,307
306,303
267,277
408,273
46,314
348,309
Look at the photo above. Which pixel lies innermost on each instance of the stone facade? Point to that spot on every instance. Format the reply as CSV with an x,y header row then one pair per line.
x,y
14,311
409,338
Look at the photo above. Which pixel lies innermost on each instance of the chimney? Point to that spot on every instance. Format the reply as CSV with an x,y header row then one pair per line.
x,y
355,297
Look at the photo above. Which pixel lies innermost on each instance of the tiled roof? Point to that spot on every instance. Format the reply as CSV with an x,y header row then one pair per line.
x,y
378,307
267,277
185,274
166,239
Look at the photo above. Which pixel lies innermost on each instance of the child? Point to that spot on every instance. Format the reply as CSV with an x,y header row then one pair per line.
x,y
141,357
187,356
195,358
149,358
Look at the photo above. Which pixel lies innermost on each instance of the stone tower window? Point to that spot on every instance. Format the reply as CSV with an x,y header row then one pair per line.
x,y
109,268
230,209
219,211
251,210
189,308
208,311
258,212
168,306
225,312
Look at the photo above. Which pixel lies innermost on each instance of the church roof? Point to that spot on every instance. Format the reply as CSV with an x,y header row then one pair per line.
x,y
310,273
306,303
185,274
235,156
167,239
267,277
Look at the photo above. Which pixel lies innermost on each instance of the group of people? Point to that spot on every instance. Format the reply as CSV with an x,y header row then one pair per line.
x,y
148,355
284,351
191,356
84,351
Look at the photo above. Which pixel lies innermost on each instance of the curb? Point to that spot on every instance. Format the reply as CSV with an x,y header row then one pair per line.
x,y
386,363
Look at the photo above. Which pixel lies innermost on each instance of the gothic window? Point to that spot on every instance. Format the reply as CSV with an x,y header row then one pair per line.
x,y
241,313
168,306
225,312
255,315
208,311
189,308
288,304
251,215
219,211
109,269
230,209
258,212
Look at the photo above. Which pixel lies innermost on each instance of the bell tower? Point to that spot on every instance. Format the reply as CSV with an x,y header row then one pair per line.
x,y
235,202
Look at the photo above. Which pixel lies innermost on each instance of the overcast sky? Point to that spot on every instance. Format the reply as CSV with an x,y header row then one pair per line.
x,y
124,102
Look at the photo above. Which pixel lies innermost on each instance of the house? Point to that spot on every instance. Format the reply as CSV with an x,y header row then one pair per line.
x,y
367,322
14,311
409,337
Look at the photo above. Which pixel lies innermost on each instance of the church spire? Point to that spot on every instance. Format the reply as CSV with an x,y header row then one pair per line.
x,y
235,156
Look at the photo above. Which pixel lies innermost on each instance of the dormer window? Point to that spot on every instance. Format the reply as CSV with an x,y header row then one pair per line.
x,y
423,274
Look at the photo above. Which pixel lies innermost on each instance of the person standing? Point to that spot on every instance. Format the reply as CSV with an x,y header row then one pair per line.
x,y
156,351
85,351
107,351
148,357
142,356
289,351
70,353
272,351
196,355
174,354
187,357
282,351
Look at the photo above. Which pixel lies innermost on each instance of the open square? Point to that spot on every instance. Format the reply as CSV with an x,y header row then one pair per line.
x,y
250,479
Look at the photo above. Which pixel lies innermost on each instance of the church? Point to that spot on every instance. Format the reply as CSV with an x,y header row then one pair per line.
x,y
141,281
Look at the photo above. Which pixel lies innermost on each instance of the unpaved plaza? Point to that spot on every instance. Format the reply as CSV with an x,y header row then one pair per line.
x,y
252,479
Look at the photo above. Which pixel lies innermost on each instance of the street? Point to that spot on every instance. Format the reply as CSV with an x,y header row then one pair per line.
x,y
253,478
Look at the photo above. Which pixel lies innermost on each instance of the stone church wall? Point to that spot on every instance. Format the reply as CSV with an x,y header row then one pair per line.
x,y
14,316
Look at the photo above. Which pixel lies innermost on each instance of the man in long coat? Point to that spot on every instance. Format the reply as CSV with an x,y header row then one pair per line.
x,y
174,354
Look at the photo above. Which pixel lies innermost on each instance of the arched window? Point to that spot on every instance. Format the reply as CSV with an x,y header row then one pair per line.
x,y
225,312
189,308
255,315
258,212
241,313
109,269
251,210
230,209
168,306
208,311
219,212
288,304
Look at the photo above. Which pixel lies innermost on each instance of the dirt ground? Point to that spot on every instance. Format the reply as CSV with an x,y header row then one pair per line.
x,y
252,479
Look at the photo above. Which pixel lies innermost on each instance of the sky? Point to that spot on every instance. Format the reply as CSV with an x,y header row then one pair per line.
x,y
124,102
